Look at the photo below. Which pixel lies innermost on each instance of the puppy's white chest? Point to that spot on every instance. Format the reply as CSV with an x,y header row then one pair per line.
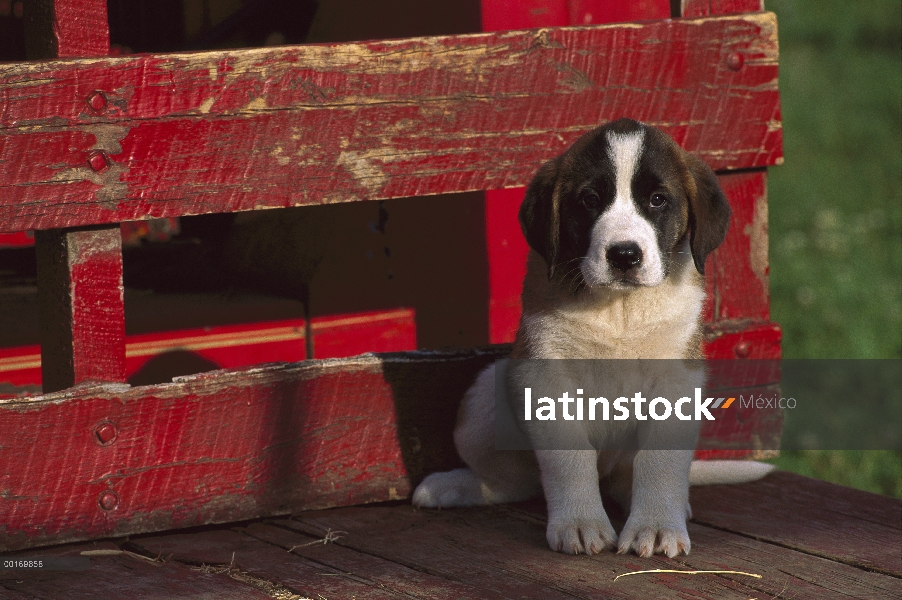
x,y
636,325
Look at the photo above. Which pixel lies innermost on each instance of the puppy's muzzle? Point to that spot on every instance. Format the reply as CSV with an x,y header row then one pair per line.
x,y
624,256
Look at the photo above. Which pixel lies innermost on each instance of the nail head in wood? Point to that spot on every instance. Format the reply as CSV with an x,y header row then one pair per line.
x,y
743,349
106,433
109,500
97,101
735,61
98,161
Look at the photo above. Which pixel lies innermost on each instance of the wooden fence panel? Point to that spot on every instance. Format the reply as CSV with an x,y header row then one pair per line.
x,y
128,138
225,446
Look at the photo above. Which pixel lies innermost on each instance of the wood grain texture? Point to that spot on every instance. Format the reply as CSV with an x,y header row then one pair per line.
x,y
225,446
815,517
509,556
510,549
333,571
237,130
79,270
743,361
393,550
705,8
121,576
739,431
82,306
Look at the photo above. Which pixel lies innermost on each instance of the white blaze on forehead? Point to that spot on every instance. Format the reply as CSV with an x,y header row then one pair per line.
x,y
624,150
622,222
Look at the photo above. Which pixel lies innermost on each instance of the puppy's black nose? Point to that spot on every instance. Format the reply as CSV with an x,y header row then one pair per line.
x,y
624,256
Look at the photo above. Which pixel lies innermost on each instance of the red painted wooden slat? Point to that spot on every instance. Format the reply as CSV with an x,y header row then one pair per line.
x,y
235,346
742,432
227,446
704,8
341,336
236,130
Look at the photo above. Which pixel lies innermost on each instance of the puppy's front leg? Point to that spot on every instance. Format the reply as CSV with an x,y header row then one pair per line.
x,y
657,521
577,522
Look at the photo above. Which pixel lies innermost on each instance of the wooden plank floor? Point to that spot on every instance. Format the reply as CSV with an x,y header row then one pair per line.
x,y
806,538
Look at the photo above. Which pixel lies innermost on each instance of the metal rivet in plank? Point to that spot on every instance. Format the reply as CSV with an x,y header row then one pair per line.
x,y
735,61
109,500
98,161
97,101
742,349
106,433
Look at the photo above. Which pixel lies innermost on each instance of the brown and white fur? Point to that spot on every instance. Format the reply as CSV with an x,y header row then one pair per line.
x,y
619,227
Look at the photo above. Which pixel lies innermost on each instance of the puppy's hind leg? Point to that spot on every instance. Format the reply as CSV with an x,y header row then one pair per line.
x,y
494,476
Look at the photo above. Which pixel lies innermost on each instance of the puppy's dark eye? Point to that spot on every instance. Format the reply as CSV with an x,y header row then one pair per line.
x,y
657,201
591,201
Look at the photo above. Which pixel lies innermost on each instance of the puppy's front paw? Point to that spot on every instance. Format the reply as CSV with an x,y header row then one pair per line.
x,y
589,534
459,487
646,539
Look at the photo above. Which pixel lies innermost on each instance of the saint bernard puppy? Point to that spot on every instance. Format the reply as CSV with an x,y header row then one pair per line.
x,y
619,227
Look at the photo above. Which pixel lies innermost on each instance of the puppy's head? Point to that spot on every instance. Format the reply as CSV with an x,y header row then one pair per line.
x,y
618,207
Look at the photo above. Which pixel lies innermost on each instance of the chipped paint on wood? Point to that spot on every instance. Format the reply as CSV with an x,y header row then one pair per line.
x,y
364,170
206,105
376,120
758,241
738,283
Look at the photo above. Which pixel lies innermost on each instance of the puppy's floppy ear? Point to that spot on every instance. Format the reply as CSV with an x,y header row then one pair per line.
x,y
709,212
539,214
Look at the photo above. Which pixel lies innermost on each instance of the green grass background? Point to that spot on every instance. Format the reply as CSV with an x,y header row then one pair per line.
x,y
835,205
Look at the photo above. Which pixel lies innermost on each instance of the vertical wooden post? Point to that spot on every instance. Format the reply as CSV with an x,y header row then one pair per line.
x,y
79,270
66,28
